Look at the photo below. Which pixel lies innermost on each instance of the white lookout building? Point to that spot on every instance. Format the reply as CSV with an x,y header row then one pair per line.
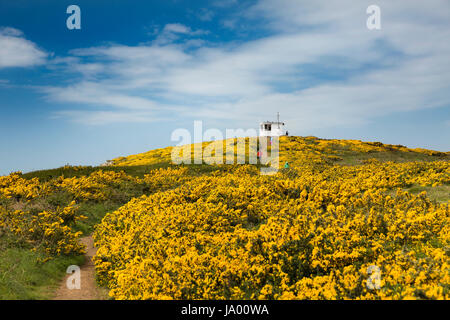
x,y
272,129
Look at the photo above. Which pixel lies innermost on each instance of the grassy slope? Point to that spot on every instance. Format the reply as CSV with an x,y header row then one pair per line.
x,y
21,277
349,152
438,193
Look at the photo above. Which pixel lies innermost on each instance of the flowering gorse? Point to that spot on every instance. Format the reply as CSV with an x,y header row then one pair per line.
x,y
310,232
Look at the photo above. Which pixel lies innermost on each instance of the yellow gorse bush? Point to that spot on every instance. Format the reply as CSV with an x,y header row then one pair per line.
x,y
52,230
306,233
48,230
94,186
14,186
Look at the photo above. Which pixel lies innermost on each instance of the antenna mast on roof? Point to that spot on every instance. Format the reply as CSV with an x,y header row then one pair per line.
x,y
278,120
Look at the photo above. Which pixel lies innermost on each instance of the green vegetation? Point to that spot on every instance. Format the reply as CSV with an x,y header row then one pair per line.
x,y
437,193
135,171
28,274
23,276
70,171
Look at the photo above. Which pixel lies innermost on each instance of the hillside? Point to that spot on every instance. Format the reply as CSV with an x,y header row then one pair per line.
x,y
227,232
300,150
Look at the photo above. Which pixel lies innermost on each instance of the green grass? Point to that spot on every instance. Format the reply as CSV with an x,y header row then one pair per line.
x,y
437,193
357,158
94,213
386,153
23,277
137,171
70,172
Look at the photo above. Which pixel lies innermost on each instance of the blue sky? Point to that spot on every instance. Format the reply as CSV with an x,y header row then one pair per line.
x,y
138,70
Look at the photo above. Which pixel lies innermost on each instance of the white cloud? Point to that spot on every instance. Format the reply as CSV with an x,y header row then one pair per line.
x,y
95,94
205,14
8,31
176,28
106,117
173,31
16,51
224,3
402,67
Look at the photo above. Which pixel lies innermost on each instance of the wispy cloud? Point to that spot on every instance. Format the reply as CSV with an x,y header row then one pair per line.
x,y
16,51
107,117
318,64
205,14
96,94
173,31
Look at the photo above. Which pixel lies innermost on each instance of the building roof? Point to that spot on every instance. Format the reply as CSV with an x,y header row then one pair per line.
x,y
272,122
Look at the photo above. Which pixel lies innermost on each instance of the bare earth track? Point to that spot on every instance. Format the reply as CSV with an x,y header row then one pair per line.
x,y
88,289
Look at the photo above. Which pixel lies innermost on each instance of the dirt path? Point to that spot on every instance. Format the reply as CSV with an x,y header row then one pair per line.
x,y
88,289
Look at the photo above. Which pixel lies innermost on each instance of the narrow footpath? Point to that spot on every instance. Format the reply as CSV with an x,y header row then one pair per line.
x,y
88,289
